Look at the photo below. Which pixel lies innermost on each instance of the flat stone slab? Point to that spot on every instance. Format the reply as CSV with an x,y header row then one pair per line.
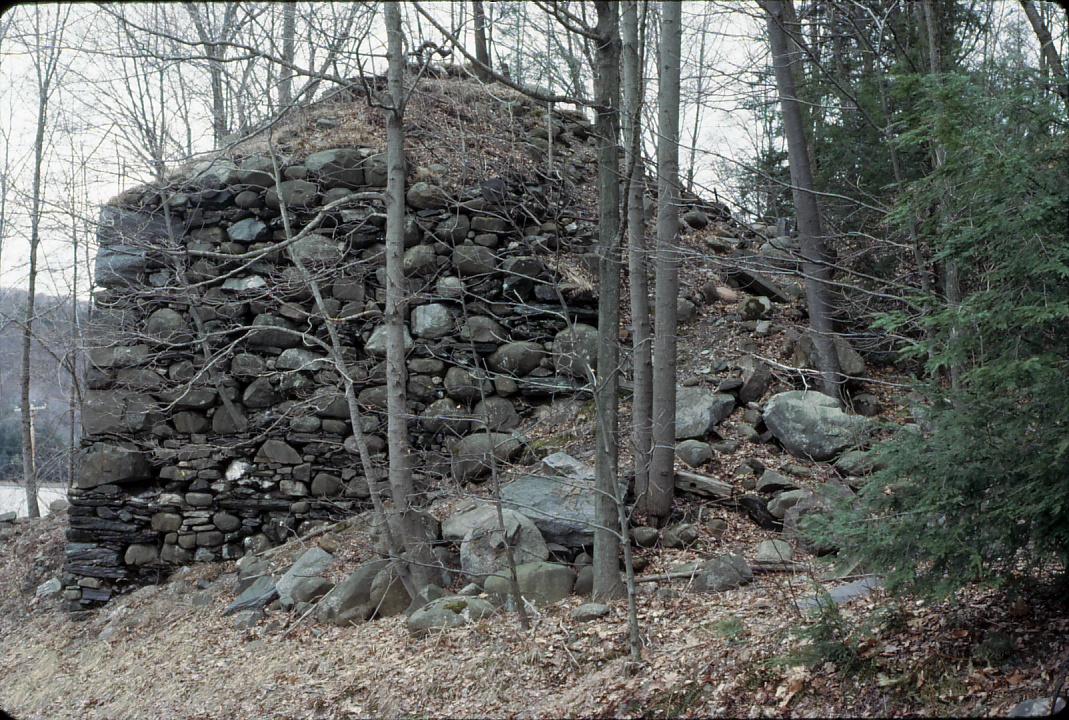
x,y
255,597
842,593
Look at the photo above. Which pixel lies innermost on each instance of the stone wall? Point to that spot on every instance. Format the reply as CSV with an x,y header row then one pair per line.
x,y
214,423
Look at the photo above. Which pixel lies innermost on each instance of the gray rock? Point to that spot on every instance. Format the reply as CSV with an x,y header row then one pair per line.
x,y
376,344
337,168
167,325
561,507
49,588
680,535
541,583
473,260
424,196
446,415
483,550
272,331
685,310
850,361
1038,707
756,377
644,536
590,611
858,462
584,581
811,425
310,589
482,329
496,414
784,501
316,250
165,522
277,451
312,563
420,261
247,231
575,351
773,551
260,394
58,505
350,600
448,612
815,503
771,481
431,321
254,597
471,458
696,219
225,521
301,359
106,463
388,595
755,307
462,386
516,358
720,573
247,619
698,411
694,453
295,193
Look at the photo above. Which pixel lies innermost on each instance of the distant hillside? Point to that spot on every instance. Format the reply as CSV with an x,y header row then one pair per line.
x,y
50,381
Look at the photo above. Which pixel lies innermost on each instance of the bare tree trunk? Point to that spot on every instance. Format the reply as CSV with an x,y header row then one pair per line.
x,y
642,354
607,582
662,471
815,259
289,32
1048,50
482,52
415,542
951,281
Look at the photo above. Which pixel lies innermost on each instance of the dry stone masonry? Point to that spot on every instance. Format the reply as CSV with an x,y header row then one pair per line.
x,y
214,419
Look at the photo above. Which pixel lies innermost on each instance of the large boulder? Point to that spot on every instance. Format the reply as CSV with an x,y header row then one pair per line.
x,y
448,612
496,414
431,321
850,361
560,500
388,594
720,573
350,600
337,168
699,410
575,351
541,583
312,563
472,457
108,463
811,425
516,358
483,550
295,193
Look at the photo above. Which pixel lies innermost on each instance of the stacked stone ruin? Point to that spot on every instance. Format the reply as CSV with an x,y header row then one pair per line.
x,y
214,422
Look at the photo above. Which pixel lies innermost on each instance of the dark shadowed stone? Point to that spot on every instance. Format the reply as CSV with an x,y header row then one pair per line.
x,y
295,193
350,600
109,463
471,457
473,260
446,414
256,596
337,168
496,413
273,331
388,594
460,385
721,573
167,325
277,451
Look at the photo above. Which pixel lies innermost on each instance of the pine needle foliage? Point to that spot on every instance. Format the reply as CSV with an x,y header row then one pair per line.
x,y
979,489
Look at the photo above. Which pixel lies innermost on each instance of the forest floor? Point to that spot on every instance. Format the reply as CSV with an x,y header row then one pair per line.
x,y
167,650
